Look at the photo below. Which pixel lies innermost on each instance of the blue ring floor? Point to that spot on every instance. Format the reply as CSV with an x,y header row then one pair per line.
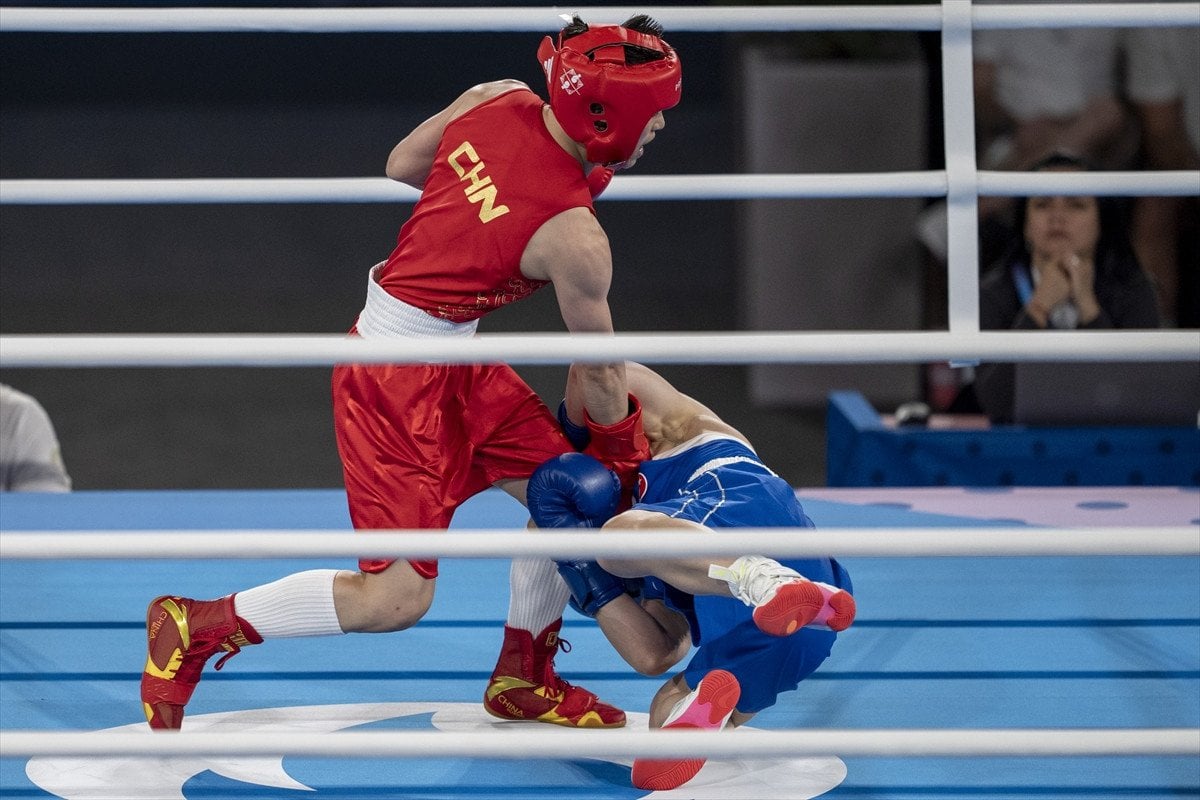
x,y
1006,642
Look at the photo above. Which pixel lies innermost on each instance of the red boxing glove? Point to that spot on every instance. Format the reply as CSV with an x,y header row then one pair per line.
x,y
622,447
598,180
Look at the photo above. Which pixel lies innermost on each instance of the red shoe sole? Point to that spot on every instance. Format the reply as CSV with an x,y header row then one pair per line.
x,y
793,606
719,691
660,776
844,609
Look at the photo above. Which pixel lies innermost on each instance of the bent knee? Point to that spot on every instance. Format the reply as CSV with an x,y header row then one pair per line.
x,y
391,617
382,602
652,666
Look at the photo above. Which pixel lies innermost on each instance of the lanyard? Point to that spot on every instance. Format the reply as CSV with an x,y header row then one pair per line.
x,y
1020,276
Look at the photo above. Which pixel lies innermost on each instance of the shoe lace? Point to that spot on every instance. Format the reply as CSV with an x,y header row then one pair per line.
x,y
232,649
756,581
550,677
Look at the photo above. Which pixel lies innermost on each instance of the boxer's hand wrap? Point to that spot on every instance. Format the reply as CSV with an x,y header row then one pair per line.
x,y
573,490
592,587
578,435
598,180
622,447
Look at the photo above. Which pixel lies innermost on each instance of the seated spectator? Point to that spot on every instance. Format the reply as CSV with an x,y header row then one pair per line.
x,y
1036,92
1039,91
1163,84
1069,265
30,460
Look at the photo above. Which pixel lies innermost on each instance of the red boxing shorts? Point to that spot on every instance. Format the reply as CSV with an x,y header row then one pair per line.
x,y
417,441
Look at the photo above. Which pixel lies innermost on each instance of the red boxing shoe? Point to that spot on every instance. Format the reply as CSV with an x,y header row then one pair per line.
x,y
524,685
784,601
181,635
803,603
708,707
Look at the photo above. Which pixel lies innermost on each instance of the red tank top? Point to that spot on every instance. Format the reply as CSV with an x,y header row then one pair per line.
x,y
497,177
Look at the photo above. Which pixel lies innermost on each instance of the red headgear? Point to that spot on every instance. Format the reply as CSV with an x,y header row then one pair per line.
x,y
601,101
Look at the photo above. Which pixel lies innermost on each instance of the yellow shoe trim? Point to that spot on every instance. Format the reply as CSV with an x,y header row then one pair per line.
x,y
167,673
179,614
148,711
590,719
504,683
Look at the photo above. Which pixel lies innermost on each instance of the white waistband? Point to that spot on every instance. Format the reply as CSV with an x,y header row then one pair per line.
x,y
386,317
696,441
716,463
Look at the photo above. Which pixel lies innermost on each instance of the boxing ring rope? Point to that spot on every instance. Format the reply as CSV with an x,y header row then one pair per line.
x,y
961,183
927,17
512,744
520,543
272,350
932,183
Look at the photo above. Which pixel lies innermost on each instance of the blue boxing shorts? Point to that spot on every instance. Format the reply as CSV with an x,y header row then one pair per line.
x,y
720,482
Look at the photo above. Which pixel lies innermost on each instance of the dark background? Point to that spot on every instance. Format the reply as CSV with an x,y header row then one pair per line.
x,y
298,105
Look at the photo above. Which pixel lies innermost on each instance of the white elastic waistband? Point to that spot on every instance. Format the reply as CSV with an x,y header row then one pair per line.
x,y
716,463
696,441
386,317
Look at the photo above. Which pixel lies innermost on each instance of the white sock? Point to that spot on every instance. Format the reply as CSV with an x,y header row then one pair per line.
x,y
298,605
537,594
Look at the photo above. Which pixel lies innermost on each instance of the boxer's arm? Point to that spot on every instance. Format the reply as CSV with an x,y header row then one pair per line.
x,y
412,158
571,251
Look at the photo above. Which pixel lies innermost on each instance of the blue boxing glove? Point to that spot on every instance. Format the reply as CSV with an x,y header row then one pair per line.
x,y
573,490
577,435
592,587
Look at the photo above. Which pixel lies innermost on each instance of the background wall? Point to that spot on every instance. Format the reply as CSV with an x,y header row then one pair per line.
x,y
257,105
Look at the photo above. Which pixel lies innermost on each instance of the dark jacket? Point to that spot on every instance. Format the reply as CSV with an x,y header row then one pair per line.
x,y
1126,298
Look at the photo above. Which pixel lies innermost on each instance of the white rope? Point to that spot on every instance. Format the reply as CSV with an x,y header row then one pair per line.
x,y
518,741
932,183
817,347
1017,184
1085,15
542,19
574,544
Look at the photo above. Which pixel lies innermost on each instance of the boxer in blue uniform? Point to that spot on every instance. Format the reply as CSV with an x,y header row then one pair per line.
x,y
760,626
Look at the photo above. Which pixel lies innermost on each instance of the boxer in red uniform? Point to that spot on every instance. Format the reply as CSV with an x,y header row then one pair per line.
x,y
506,207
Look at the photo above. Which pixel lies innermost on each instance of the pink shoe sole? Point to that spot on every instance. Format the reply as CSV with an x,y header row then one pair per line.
x,y
717,697
804,603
